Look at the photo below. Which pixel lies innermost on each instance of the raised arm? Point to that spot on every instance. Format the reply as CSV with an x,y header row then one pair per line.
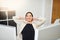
x,y
18,19
39,21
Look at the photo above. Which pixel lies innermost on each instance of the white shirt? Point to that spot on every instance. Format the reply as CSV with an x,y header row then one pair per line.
x,y
21,24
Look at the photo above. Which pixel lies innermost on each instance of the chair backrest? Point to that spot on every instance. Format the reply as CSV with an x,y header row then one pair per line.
x,y
50,33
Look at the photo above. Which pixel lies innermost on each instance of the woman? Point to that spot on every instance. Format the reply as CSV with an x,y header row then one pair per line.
x,y
26,26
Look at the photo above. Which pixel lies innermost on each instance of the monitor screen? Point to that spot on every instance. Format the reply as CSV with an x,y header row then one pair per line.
x,y
2,15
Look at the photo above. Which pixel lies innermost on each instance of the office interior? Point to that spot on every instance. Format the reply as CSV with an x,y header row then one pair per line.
x,y
48,9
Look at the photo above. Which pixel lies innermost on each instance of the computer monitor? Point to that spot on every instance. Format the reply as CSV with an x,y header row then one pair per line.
x,y
50,33
2,15
7,32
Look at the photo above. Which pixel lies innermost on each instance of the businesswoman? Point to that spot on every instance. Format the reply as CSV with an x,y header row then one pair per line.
x,y
26,26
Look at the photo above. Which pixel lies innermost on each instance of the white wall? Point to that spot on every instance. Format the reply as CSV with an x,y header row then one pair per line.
x,y
48,11
35,6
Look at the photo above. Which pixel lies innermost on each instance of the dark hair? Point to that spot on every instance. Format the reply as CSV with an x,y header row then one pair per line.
x,y
30,13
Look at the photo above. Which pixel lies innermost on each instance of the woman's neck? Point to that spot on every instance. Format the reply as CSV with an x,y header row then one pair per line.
x,y
30,22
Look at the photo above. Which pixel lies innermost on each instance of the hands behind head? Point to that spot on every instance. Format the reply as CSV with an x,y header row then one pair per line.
x,y
23,18
35,19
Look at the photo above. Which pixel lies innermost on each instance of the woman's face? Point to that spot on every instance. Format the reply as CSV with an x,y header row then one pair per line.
x,y
29,17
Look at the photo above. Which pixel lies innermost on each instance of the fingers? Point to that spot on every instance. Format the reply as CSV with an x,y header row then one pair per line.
x,y
35,18
22,18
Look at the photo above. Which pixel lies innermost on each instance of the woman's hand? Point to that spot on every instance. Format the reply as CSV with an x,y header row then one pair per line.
x,y
21,18
35,19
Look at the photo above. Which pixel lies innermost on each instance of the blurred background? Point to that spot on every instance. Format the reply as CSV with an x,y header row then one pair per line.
x,y
49,9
